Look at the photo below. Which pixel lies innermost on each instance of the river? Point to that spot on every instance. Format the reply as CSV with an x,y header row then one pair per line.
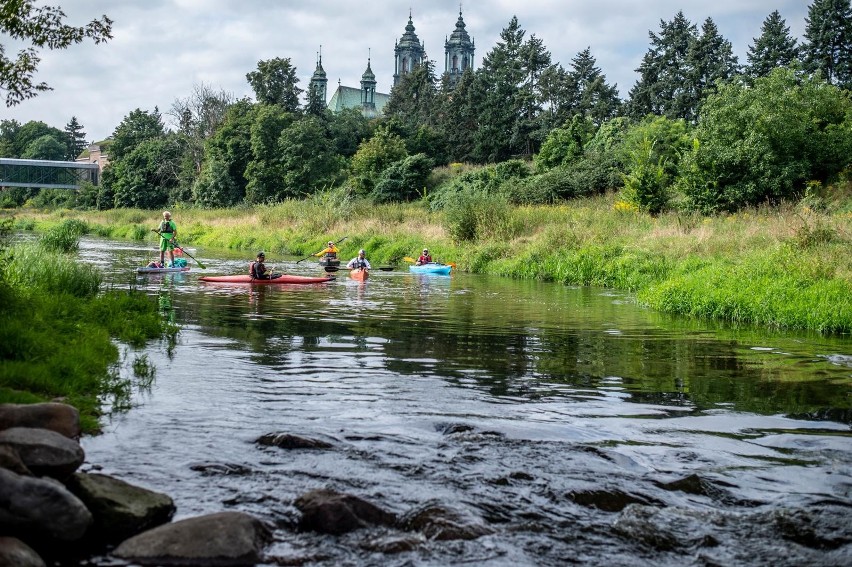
x,y
556,420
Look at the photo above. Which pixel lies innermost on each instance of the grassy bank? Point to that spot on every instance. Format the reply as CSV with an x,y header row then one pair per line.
x,y
58,327
786,267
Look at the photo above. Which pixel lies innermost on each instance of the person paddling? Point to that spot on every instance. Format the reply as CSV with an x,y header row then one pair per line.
x,y
168,233
330,252
258,270
424,258
359,262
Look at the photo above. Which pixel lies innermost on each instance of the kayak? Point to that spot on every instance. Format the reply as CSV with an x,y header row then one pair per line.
x,y
431,268
359,274
277,279
147,270
329,262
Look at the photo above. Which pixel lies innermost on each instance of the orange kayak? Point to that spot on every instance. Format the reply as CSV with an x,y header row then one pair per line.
x,y
360,274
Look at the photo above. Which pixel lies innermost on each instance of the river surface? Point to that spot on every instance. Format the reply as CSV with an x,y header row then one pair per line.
x,y
556,421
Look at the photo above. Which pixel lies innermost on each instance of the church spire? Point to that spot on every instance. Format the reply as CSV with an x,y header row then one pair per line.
x,y
458,51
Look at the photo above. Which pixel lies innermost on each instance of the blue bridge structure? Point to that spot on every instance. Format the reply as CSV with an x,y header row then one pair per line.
x,y
46,174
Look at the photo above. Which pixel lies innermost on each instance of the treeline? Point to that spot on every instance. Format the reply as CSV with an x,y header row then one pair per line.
x,y
699,130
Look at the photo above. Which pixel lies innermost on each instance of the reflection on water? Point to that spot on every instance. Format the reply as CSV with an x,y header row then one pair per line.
x,y
499,396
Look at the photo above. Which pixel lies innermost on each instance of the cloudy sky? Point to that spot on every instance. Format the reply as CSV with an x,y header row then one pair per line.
x,y
161,49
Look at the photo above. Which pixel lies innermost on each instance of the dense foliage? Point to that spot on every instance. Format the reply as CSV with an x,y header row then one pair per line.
x,y
697,132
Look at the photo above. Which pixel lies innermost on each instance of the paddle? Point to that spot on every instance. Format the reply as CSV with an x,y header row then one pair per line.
x,y
312,255
177,247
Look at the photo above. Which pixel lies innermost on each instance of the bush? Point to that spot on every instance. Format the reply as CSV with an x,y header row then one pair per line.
x,y
764,143
403,180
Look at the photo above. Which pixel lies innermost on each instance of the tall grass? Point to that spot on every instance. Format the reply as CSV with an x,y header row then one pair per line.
x,y
57,331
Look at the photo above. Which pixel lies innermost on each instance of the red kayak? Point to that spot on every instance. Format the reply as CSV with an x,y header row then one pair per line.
x,y
276,279
360,274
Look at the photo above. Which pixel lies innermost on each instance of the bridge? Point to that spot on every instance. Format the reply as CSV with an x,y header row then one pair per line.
x,y
46,174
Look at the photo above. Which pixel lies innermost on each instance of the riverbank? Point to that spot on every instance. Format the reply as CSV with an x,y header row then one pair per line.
x,y
60,332
781,267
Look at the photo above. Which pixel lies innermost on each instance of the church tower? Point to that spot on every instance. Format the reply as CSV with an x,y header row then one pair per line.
x,y
458,52
408,52
319,82
368,90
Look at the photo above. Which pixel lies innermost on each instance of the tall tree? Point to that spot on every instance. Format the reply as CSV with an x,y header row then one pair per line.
x,y
265,172
663,85
136,127
593,97
308,161
457,116
828,40
774,48
710,59
75,139
43,27
33,130
274,82
558,95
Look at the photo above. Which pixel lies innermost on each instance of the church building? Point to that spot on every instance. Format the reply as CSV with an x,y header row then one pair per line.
x,y
409,52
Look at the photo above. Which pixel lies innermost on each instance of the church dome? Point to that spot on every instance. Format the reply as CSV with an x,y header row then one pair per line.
x,y
409,39
459,37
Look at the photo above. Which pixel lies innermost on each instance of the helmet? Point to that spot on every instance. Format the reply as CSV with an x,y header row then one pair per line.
x,y
361,251
261,254
330,243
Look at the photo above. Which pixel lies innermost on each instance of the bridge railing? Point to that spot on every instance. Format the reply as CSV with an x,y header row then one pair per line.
x,y
46,174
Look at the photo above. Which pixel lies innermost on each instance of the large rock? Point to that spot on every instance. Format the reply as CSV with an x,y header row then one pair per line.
x,y
332,512
223,539
289,441
11,460
44,452
40,507
120,510
439,522
15,553
61,418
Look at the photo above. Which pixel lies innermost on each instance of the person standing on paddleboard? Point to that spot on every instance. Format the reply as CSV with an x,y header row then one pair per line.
x,y
168,233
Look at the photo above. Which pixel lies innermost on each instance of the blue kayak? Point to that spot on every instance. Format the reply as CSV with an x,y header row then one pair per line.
x,y
431,268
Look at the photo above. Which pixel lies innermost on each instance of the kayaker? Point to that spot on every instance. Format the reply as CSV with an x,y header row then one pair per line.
x,y
424,258
330,251
258,270
359,261
168,233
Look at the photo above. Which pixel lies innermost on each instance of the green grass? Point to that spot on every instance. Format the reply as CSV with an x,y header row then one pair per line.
x,y
58,328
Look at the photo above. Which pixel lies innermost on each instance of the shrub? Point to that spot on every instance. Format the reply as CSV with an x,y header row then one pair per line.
x,y
403,180
64,237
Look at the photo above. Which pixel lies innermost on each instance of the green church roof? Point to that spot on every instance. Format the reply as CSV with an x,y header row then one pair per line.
x,y
350,97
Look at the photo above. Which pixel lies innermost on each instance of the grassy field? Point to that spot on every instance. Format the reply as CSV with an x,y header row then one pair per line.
x,y
781,267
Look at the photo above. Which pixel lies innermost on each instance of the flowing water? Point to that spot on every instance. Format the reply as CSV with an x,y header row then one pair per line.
x,y
552,419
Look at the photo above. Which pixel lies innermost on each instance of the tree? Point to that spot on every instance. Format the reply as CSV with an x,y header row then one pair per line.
x,y
230,147
265,173
308,161
373,156
347,129
457,120
198,116
774,48
764,142
664,83
565,145
75,139
135,128
43,27
274,82
8,133
403,180
592,97
33,130
147,175
45,147
710,59
828,40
